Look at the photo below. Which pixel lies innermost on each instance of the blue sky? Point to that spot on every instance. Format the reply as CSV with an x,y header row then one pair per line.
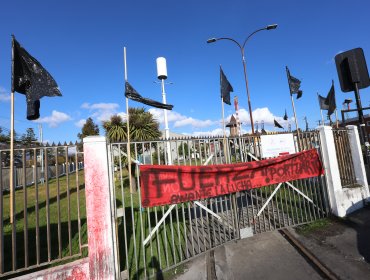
x,y
81,44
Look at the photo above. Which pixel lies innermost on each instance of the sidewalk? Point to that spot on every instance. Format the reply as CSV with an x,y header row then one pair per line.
x,y
342,245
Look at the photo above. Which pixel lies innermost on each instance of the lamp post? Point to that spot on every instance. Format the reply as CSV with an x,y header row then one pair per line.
x,y
241,47
162,75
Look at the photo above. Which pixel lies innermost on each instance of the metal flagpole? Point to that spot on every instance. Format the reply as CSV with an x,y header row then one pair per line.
x,y
295,115
128,127
11,183
223,116
236,105
322,116
225,149
336,118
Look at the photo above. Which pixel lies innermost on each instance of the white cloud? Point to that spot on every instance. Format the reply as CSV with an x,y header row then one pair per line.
x,y
259,115
4,96
179,120
80,123
103,111
215,132
193,122
55,119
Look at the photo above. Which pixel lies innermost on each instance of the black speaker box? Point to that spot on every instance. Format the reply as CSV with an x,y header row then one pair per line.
x,y
351,68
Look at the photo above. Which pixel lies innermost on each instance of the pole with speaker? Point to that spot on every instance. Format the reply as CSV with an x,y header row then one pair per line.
x,y
162,75
353,76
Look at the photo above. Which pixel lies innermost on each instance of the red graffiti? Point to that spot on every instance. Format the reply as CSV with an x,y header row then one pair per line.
x,y
161,185
77,274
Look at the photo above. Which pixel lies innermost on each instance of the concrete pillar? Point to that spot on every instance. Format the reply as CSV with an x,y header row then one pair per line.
x,y
330,163
357,158
357,197
99,210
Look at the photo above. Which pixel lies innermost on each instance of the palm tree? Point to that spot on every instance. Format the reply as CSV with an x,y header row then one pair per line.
x,y
115,129
143,127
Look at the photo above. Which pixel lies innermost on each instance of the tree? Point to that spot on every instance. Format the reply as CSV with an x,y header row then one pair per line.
x,y
143,127
115,129
183,149
29,138
88,129
3,137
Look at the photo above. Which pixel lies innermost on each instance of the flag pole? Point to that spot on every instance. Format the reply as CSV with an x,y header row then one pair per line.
x,y
322,116
128,127
295,116
336,113
224,130
336,118
226,154
223,116
11,177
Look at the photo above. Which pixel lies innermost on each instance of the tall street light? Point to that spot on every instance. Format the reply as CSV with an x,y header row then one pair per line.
x,y
241,47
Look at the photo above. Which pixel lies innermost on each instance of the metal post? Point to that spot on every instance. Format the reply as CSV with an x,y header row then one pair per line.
x,y
246,86
295,119
42,179
361,119
166,129
11,177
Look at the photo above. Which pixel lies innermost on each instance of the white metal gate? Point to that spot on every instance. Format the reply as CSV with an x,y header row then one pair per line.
x,y
153,240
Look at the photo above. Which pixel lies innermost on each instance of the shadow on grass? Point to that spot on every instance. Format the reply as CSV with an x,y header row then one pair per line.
x,y
58,248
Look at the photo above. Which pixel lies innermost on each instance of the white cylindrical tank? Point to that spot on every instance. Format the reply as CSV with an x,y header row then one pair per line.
x,y
161,68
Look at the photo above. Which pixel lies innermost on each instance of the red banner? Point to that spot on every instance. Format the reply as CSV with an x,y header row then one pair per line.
x,y
170,184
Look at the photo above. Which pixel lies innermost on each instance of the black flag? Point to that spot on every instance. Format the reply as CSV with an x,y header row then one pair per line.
x,y
132,94
322,102
32,79
330,100
294,84
226,88
276,124
285,116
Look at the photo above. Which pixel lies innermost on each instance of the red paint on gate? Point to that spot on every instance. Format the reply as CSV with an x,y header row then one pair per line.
x,y
161,185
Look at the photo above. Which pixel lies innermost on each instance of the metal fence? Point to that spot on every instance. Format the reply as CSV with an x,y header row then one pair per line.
x,y
345,163
155,239
49,219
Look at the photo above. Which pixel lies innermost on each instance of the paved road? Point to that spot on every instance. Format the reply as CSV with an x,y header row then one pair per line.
x,y
343,246
263,256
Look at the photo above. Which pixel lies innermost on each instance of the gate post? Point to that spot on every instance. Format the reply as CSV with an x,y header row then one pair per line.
x,y
356,152
332,176
99,209
359,195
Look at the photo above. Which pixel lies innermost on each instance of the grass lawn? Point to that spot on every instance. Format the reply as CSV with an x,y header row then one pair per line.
x,y
57,215
167,246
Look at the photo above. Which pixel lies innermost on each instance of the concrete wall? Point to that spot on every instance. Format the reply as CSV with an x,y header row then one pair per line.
x,y
77,270
344,200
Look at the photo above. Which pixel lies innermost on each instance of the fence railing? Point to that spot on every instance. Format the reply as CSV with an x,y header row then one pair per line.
x,y
48,220
158,238
345,163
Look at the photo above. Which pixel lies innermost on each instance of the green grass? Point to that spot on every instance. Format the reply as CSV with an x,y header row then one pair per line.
x,y
294,205
314,226
62,195
162,251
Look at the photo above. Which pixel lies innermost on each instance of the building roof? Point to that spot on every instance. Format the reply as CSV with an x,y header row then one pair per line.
x,y
232,122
